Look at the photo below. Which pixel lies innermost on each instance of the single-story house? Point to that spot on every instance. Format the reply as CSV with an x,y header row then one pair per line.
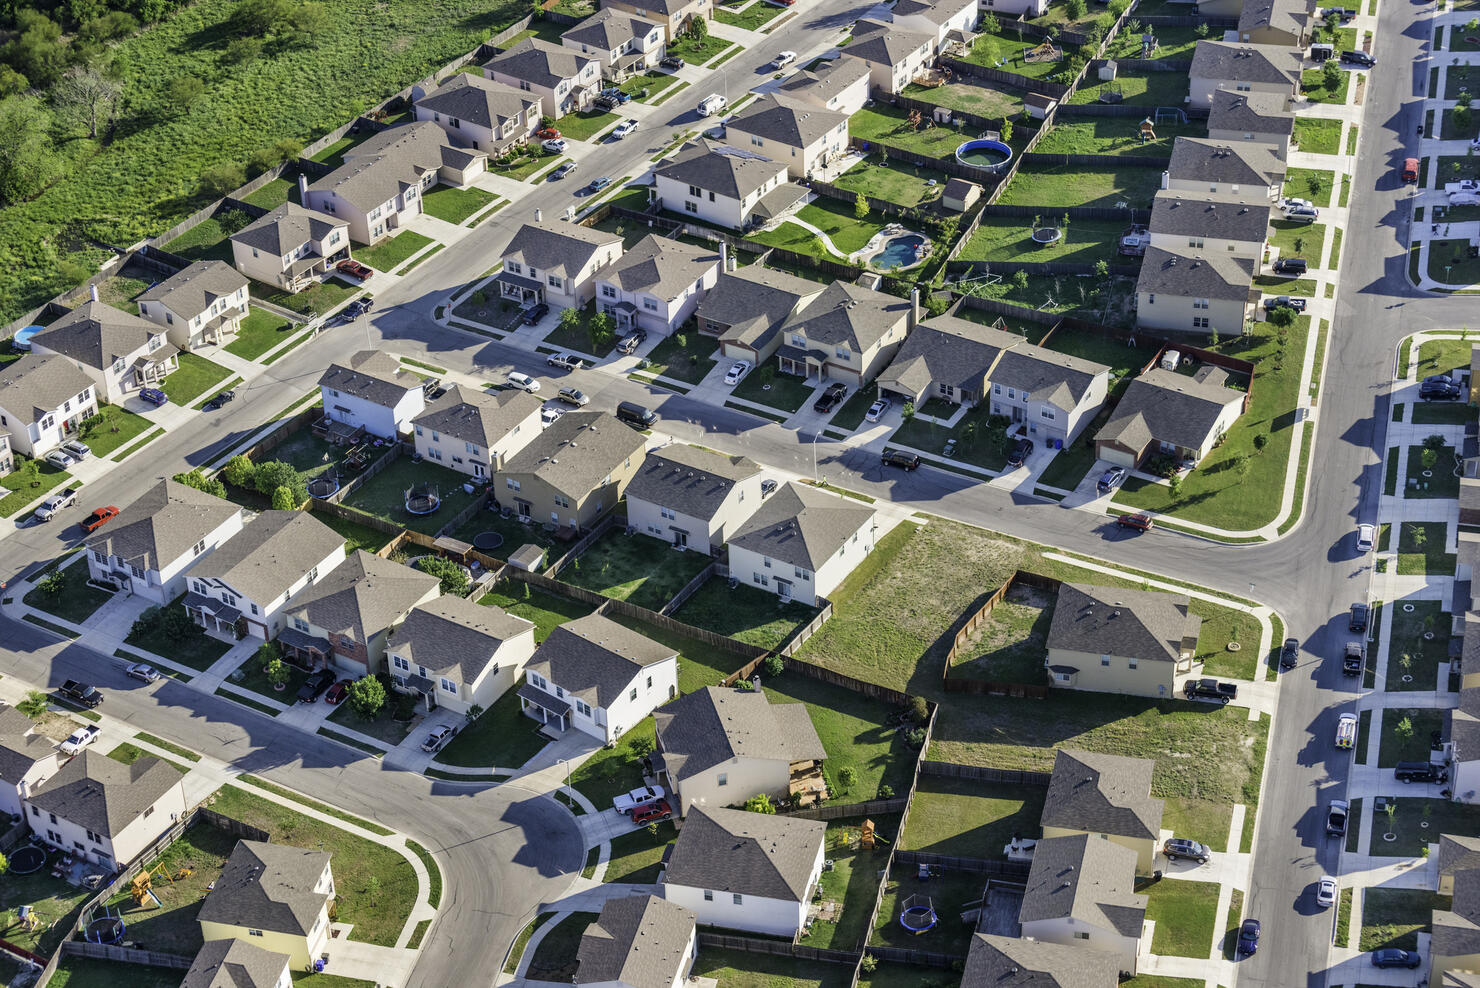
x,y
676,16
1080,894
120,352
726,186
564,80
638,941
692,498
1240,168
479,112
1244,68
27,758
747,307
801,543
104,811
1107,797
43,399
274,896
1163,413
1017,962
1191,291
458,654
237,964
556,265
372,391
1212,222
623,43
1260,118
840,83
895,55
474,432
290,247
573,472
200,305
847,333
800,133
1113,640
657,283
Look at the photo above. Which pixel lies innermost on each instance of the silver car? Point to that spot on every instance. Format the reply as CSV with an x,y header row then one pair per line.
x,y
59,459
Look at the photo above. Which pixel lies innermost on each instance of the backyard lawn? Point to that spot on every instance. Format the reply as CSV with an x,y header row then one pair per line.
x,y
74,601
1010,646
740,969
207,240
391,253
384,495
1185,913
274,194
965,818
501,738
1007,238
1008,53
833,218
639,569
1115,135
114,428
171,927
950,894
699,664
852,883
333,154
356,536
743,612
1395,917
194,377
53,900
1055,186
970,97
83,972
893,181
1138,89
887,125
547,611
260,332
454,205
638,856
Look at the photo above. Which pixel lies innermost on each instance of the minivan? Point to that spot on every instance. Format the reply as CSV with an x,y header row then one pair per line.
x,y
1295,266
1419,772
712,104
1409,171
634,414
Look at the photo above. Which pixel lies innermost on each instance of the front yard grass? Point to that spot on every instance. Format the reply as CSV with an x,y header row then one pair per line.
x,y
975,442
392,252
1314,184
1315,135
752,18
385,725
852,883
74,601
24,489
194,377
547,611
1298,239
115,428
744,613
637,857
1115,135
1317,89
1079,185
1007,238
1409,653
1011,645
1418,821
554,957
1405,735
1199,819
384,495
1443,477
171,926
502,737
1395,917
765,386
260,332
1442,356
1185,913
698,51
317,299
454,205
653,81
583,125
615,770
639,569
684,356
198,651
1421,547
895,181
965,818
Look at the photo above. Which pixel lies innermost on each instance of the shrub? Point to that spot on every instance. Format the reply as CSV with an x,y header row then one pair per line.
x,y
34,705
774,666
454,578
641,745
367,697
196,478
239,471
220,179
919,709
869,963
847,777
886,792
273,474
760,803
282,500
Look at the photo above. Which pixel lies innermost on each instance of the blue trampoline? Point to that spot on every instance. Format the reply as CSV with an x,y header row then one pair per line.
x,y
918,915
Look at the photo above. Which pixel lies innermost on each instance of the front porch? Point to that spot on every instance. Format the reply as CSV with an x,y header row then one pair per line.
x,y
304,650
214,616
541,706
151,369
624,313
519,289
414,685
797,362
219,329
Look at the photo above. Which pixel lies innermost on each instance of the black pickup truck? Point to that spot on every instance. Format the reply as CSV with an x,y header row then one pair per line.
x,y
1352,661
1209,689
80,693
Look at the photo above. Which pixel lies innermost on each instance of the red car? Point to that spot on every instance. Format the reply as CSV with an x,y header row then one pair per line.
x,y
652,813
1141,522
99,518
547,134
354,269
337,692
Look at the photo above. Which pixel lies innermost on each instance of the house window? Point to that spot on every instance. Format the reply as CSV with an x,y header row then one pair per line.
x,y
842,353
737,898
761,579
607,291
254,933
1194,242
766,561
1151,299
1200,322
632,695
559,691
708,895
1104,660
1011,393
511,483
1199,303
667,513
690,206
400,663
650,682
300,624
996,389
1081,936
583,709
650,305
200,547
1133,662
449,686
514,267
801,574
723,779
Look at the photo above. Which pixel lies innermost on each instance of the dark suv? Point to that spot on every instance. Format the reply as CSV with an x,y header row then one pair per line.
x,y
899,458
1420,772
1440,390
1020,453
1358,58
314,686
1358,619
1290,653
1180,847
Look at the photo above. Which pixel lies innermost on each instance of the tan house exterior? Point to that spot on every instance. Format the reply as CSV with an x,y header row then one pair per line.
x,y
459,655
747,307
1113,640
201,305
692,498
273,896
555,264
1080,893
1105,797
847,333
895,55
477,112
1190,291
840,84
1455,944
563,80
1244,68
674,15
290,247
624,43
120,352
799,133
1164,413
573,472
474,432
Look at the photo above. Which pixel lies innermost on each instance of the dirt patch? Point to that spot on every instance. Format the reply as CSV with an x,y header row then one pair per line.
x,y
56,726
1361,89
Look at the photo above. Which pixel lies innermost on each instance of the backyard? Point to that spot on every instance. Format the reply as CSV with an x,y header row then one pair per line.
x,y
384,495
835,219
887,125
547,611
639,569
893,181
851,884
1137,89
1116,135
1011,644
982,99
1056,186
740,969
1006,238
183,875
54,901
1010,53
699,664
967,818
950,894
744,613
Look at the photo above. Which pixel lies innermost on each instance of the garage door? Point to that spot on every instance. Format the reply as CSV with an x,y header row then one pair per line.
x,y
1114,455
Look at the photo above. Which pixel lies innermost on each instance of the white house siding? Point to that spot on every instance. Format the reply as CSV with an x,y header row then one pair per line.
x,y
1013,8
754,914
388,423
125,845
750,567
720,210
963,20
37,437
465,134
500,676
654,314
114,383
704,535
186,333
1063,931
894,78
1043,420
655,685
160,586
478,462
1251,193
375,224
567,96
12,796
265,620
1175,313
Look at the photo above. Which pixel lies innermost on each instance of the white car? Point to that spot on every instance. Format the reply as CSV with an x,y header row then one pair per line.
x,y
1365,535
1326,892
142,672
437,738
877,409
784,59
59,459
737,371
549,414
81,738
624,128
554,145
1293,203
627,802
524,382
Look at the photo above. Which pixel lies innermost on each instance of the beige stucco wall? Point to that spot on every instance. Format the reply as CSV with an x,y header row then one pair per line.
x,y
298,948
583,510
1150,677
744,777
1175,313
1063,931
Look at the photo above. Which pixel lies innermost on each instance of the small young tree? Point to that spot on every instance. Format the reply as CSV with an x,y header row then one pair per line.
x,y
1006,130
907,412
1391,809
367,697
1174,485
55,583
570,320
774,666
1428,457
760,803
454,578
34,705
277,673
848,778
282,500
1404,729
860,207
1076,9
239,471
886,792
1261,440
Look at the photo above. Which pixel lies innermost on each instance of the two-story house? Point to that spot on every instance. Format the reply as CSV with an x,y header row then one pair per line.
x,y
657,284
1275,22
803,135
1080,894
725,186
459,655
378,189
342,619
692,498
201,305
1248,170
572,472
1195,291
1107,798
104,811
372,391
1209,222
43,398
154,541
801,543
747,307
474,432
847,333
895,55
7,456
1244,68
1164,413
597,677
290,247
274,896
1259,118
478,112
1020,8
638,941
564,80
676,16
242,589
624,43
1454,946
1017,962
945,20
556,265
1110,640
237,964
120,352
840,84
745,871
27,758
720,746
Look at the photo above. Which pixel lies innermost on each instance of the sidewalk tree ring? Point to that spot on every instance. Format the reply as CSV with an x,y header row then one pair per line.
x,y
1428,636
1408,608
1389,837
1427,473
1424,824
1407,679
1234,646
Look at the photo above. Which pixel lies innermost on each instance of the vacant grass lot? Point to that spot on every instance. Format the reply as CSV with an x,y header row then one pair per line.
x,y
1116,135
1011,645
636,568
1317,136
1007,238
1395,917
1185,914
195,376
1077,185
745,613
968,819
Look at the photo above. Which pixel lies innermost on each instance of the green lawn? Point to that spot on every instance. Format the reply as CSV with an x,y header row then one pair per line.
x,y
969,97
391,253
1006,238
653,82
853,882
1314,184
120,290
1410,654
83,972
1410,744
24,490
781,391
950,894
384,495
447,202
741,969
697,51
501,738
194,377
547,611
333,154
699,664
1421,549
684,356
1443,356
1442,480
752,18
1011,645
317,299
1079,185
554,957
1418,821
260,332
896,181
1137,89
638,857
585,124
172,927
1185,914
75,601
745,613
207,240
1317,89
1007,52
390,726
1395,917
274,194
1315,135
969,819
1298,239
1199,819
636,568
55,901
887,125
250,676
1116,135
198,651
1450,263
831,217
116,427
356,537
615,770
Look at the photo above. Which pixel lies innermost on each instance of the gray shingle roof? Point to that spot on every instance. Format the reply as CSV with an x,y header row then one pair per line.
x,y
287,228
1087,880
1243,62
99,794
1457,931
660,267
539,63
479,417
1142,624
477,100
161,525
271,553
455,638
20,747
689,480
734,851
1168,407
666,7
1458,853
38,384
382,167
97,334
720,168
576,453
886,44
802,525
595,658
235,964
1209,214
947,350
191,291
561,250
1243,164
372,375
1462,723
610,29
754,301
1252,113
794,123
851,314
268,887
1102,794
710,726
638,940
935,11
1013,962
1186,275
827,80
362,596
1292,16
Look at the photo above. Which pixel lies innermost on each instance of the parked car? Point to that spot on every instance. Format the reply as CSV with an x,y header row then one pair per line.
x,y
142,671
652,813
80,693
220,400
76,448
549,414
900,458
737,371
547,134
1140,521
1291,265
572,396
672,62
783,59
1020,452
612,92
563,170
337,693
629,801
358,308
354,269
1336,814
438,738
1393,957
314,686
598,183
1289,653
1407,772
877,409
555,145
606,103
1365,536
1302,215
830,398
81,738
569,361
535,313
1326,892
1270,304
1353,659
1346,731
1248,936
631,342
1209,689
712,104
768,487
624,129
524,382
1291,202
1352,57
54,503
1110,479
154,396
1357,619
99,518
1438,391
1340,13
1181,847
59,459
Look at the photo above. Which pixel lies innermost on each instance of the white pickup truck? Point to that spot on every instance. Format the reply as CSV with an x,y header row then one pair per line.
x,y
1346,731
81,738
58,501
627,802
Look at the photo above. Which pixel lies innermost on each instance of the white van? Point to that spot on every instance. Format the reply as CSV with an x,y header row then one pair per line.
x,y
712,104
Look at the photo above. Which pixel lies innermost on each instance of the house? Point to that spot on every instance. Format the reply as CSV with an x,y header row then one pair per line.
x,y
657,284
1106,797
676,16
273,896
622,42
1015,962
1026,9
1457,854
1462,744
458,654
43,398
149,547
243,588
564,80
638,941
574,471
371,391
1164,413
1275,22
342,620
1244,68
477,112
1244,169
290,247
598,677
945,20
27,758
201,305
747,307
745,871
1185,292
800,133
1260,118
721,746
1110,640
1454,947
1053,395
378,189
120,352
474,432
848,333
725,186
555,265
7,457
801,543
237,964
840,84
895,55
104,811
960,195
1079,894
1218,223
691,497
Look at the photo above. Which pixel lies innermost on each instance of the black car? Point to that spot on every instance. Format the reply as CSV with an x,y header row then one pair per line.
x,y
535,313
1358,619
219,400
1438,391
314,686
1393,957
1248,936
830,398
899,458
672,62
1290,653
1020,453
1358,58
768,487
1291,266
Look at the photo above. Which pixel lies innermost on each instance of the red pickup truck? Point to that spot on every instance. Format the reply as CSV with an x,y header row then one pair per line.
x,y
99,518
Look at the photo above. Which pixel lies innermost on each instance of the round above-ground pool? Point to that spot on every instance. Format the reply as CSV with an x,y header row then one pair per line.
x,y
21,341
900,252
986,154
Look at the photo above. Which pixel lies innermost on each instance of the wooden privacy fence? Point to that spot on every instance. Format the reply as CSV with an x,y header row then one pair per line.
x,y
126,955
1154,345
1098,160
1129,216
688,590
924,958
777,948
841,811
977,866
981,773
364,476
1046,268
602,526
974,621
1181,66
1005,77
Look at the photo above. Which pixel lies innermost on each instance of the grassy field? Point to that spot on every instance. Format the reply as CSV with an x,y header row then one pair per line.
x,y
1185,913
1116,135
639,569
1056,186
969,819
1395,917
753,616
1006,238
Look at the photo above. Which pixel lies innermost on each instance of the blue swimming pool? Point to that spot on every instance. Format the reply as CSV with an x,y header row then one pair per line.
x,y
901,252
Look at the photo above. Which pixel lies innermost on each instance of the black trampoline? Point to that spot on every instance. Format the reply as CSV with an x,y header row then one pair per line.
x,y
27,860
